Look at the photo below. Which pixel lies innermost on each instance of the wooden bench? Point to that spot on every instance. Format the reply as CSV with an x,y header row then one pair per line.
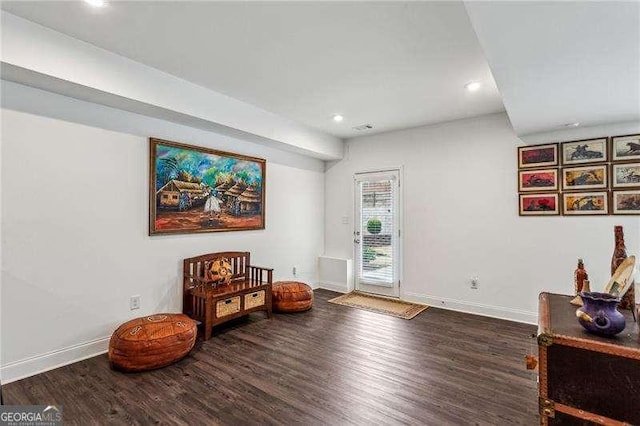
x,y
214,302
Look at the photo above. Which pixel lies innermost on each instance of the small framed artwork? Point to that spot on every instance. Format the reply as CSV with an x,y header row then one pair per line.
x,y
626,202
585,203
625,148
539,205
585,177
538,156
586,151
538,180
625,175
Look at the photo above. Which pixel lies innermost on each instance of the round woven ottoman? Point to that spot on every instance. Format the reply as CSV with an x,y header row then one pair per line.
x,y
292,296
151,342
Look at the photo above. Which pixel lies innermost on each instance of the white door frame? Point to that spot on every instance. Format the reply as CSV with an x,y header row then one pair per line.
x,y
397,233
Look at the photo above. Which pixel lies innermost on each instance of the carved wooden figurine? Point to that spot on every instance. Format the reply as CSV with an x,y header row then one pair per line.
x,y
619,255
581,283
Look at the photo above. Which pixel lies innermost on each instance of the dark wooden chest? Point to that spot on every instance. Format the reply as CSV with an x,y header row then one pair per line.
x,y
585,379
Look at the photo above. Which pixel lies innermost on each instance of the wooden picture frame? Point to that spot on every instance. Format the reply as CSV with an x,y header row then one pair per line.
x,y
585,151
545,155
539,204
585,203
194,190
625,148
585,177
625,202
625,175
538,180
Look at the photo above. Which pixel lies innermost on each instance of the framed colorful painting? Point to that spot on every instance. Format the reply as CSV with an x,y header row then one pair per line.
x,y
539,205
584,152
625,175
625,148
626,202
194,189
538,156
585,203
538,180
585,177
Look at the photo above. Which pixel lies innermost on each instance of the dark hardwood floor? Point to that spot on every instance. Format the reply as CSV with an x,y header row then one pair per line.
x,y
332,365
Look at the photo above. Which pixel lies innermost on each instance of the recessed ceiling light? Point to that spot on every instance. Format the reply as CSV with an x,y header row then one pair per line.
x,y
576,124
337,118
472,86
96,3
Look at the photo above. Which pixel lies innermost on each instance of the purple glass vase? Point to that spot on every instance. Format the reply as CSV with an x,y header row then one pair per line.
x,y
599,315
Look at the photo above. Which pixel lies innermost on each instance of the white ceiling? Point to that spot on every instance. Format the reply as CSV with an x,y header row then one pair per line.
x,y
562,62
393,65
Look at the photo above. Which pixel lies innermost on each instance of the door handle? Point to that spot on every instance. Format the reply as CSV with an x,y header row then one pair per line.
x,y
357,241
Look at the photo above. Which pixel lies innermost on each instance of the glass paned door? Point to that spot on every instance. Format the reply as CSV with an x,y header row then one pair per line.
x,y
376,234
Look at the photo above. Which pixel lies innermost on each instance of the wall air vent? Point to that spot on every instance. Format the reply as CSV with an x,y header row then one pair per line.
x,y
363,127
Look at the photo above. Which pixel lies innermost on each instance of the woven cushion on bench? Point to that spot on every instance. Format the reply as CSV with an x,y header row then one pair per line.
x,y
219,270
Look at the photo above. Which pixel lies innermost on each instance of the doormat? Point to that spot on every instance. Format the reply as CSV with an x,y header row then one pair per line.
x,y
380,305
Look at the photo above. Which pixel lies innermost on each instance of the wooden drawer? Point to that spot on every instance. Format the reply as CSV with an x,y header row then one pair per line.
x,y
228,306
254,299
215,305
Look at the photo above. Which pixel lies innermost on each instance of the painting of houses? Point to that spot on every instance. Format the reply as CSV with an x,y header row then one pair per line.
x,y
194,189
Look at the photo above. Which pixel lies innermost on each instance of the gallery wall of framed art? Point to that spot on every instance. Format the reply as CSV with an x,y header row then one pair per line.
x,y
599,176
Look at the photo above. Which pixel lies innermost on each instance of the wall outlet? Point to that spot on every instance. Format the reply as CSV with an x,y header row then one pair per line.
x,y
295,271
474,283
134,302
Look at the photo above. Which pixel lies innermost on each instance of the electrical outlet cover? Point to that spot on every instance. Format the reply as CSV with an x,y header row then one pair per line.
x,y
134,302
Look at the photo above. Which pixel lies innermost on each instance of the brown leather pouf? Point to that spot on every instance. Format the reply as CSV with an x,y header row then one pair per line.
x,y
151,342
292,296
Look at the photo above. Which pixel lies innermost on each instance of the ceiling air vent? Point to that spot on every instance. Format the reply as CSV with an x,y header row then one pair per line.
x,y
363,127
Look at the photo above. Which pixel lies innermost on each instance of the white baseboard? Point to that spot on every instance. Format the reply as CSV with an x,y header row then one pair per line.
x,y
474,308
31,366
455,305
339,287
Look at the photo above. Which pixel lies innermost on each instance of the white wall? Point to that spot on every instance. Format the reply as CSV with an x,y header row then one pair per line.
x,y
461,220
583,132
74,223
74,226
